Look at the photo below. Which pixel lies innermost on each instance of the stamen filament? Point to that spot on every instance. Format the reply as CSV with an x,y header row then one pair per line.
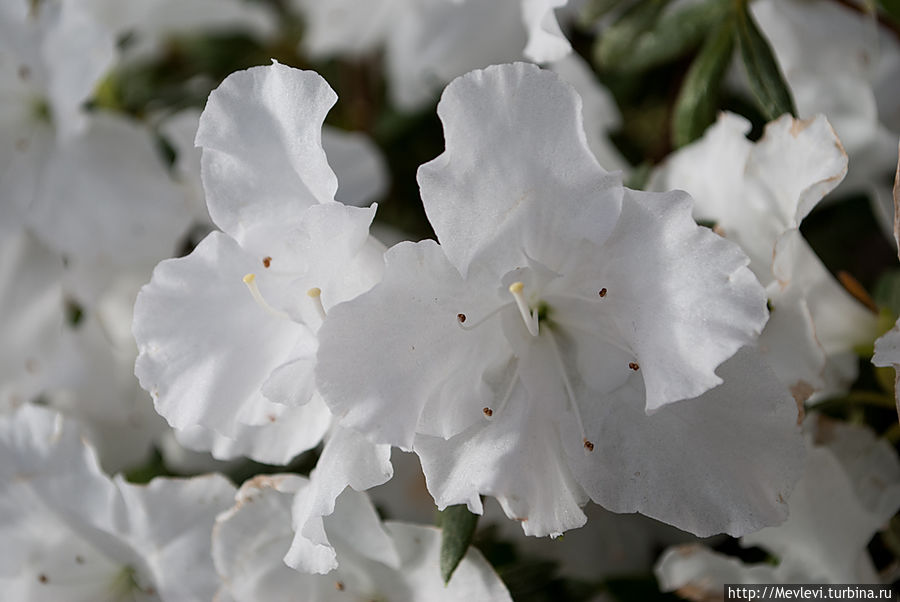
x,y
315,294
460,318
609,340
250,281
588,445
489,412
529,317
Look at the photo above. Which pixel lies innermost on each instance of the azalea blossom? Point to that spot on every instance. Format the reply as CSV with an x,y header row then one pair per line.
x,y
430,42
391,561
521,356
357,162
757,194
850,489
31,315
91,185
75,534
839,61
286,254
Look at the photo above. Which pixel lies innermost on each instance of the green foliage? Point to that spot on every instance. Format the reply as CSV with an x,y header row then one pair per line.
x,y
618,42
458,527
669,37
697,101
766,81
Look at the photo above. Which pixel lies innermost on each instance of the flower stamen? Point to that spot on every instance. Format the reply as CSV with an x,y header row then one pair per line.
x,y
461,318
250,281
588,445
529,317
489,412
315,293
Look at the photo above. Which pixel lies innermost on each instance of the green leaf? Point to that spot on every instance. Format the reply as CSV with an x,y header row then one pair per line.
x,y
766,81
887,291
617,42
671,36
697,100
594,10
458,526
891,8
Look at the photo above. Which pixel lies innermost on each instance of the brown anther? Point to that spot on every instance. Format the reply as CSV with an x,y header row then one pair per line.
x,y
488,412
21,145
461,318
267,261
79,559
339,586
634,366
588,445
24,72
43,578
602,292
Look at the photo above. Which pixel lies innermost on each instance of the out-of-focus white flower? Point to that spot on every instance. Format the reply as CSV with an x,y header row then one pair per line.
x,y
430,42
91,185
391,561
518,357
147,23
74,534
849,490
840,62
31,315
600,111
757,195
93,376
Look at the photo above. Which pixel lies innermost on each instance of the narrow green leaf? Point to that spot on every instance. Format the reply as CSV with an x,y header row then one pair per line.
x,y
617,42
594,10
458,526
697,100
672,36
766,81
891,8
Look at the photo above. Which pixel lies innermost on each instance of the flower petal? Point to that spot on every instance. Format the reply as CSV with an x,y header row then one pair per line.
x,y
263,161
517,179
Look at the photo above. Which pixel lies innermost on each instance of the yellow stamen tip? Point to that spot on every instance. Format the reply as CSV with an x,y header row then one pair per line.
x,y
516,287
249,278
314,292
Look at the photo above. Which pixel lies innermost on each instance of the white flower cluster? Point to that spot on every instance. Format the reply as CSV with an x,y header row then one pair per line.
x,y
564,339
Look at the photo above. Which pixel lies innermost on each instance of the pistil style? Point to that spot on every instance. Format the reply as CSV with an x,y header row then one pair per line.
x,y
529,317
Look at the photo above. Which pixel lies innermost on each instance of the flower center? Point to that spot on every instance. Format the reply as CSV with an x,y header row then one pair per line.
x,y
314,294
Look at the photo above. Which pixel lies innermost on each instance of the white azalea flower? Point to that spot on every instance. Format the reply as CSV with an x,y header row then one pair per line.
x,y
600,111
849,490
93,376
74,534
840,62
90,185
557,308
219,356
392,561
31,315
430,42
757,195
358,164
148,22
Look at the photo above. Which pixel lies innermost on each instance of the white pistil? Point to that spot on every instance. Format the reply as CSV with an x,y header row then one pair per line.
x,y
250,281
489,412
528,316
315,294
588,445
